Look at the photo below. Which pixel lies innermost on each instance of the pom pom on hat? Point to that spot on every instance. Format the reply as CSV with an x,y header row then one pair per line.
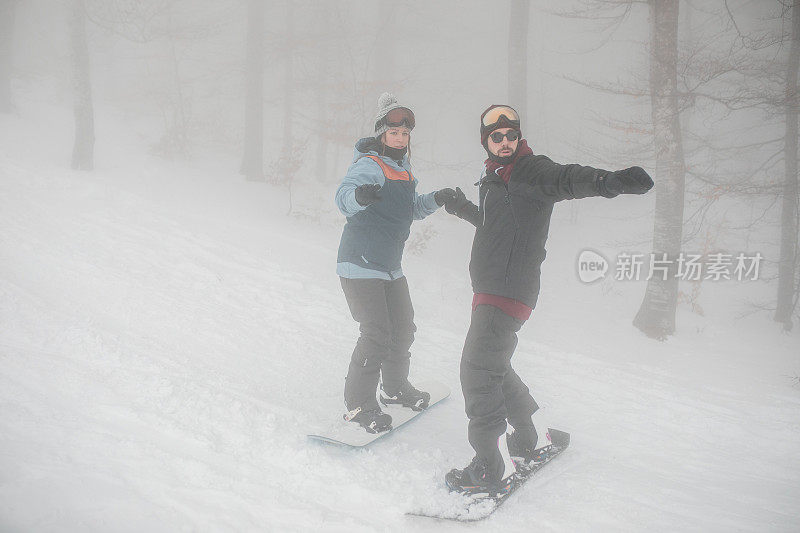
x,y
386,103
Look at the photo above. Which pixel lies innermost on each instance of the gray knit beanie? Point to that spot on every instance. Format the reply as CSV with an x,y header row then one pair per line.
x,y
386,102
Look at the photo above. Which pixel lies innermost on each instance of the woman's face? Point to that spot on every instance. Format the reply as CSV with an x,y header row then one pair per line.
x,y
397,137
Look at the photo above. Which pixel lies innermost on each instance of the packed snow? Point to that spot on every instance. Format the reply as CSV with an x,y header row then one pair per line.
x,y
169,336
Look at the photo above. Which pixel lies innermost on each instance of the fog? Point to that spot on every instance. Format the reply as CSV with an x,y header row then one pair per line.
x,y
169,237
174,73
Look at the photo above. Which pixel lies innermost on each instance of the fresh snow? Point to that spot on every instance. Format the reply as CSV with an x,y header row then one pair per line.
x,y
168,337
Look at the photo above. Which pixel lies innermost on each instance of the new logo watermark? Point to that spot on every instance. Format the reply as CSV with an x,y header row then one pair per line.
x,y
684,266
591,266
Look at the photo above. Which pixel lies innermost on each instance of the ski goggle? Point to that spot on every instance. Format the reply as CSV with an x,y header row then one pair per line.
x,y
497,137
494,115
400,116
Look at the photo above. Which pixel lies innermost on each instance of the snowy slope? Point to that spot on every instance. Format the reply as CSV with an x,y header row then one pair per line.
x,y
168,336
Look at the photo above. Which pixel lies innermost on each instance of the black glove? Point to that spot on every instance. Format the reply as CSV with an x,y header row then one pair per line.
x,y
632,180
457,202
368,194
443,196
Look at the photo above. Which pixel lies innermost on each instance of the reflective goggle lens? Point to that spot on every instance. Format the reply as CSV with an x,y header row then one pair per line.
x,y
493,115
402,116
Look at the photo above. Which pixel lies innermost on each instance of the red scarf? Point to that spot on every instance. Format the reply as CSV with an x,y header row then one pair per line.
x,y
505,170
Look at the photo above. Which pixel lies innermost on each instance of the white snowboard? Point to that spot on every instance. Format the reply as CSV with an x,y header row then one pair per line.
x,y
351,434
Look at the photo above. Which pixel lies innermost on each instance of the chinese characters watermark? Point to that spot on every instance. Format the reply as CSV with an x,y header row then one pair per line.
x,y
685,266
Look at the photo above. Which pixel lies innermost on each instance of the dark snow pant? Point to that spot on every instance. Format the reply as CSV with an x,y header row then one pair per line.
x,y
493,392
383,310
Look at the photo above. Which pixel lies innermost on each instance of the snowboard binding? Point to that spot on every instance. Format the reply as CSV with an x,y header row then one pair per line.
x,y
407,396
373,420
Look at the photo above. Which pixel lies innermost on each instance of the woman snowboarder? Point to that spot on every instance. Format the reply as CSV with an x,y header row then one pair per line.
x,y
379,198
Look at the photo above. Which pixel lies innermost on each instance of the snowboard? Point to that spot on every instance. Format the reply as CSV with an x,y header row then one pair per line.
x,y
472,508
351,434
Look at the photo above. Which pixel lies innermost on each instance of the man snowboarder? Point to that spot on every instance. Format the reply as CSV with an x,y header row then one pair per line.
x,y
516,194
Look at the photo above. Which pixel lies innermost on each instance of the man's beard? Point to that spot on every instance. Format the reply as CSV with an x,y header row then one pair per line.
x,y
503,160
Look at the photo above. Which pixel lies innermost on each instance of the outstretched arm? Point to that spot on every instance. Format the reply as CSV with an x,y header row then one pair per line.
x,y
424,205
568,182
565,182
459,206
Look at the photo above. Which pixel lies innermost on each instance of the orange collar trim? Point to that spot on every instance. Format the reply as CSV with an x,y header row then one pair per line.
x,y
391,173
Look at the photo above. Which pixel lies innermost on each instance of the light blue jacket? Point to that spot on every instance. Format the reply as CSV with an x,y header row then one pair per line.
x,y
374,236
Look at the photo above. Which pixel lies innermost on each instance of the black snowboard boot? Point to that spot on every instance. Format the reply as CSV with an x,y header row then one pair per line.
x,y
373,420
522,445
407,396
493,477
475,478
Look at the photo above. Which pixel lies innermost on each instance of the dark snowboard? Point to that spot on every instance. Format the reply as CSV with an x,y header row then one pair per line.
x,y
478,507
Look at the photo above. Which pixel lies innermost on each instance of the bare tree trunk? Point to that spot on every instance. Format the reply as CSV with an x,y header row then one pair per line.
x,y
253,157
656,316
789,222
382,75
518,58
288,83
320,167
7,9
83,149
288,107
384,60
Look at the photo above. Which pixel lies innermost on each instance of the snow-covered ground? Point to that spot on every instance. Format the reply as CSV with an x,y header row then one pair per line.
x,y
168,336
